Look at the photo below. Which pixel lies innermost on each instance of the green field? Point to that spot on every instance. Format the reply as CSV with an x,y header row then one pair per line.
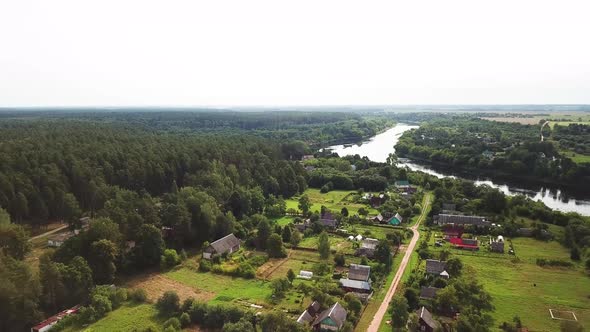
x,y
522,288
127,318
334,200
576,157
225,288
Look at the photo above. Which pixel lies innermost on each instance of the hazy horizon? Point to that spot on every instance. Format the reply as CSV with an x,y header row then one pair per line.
x,y
67,53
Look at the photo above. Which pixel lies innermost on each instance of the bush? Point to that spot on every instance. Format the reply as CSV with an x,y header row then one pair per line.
x,y
102,305
172,322
118,296
339,259
168,304
185,320
197,312
245,270
204,265
553,262
138,295
169,259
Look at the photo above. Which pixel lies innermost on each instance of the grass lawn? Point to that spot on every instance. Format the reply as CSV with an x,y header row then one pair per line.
x,y
334,200
376,232
576,157
283,220
129,317
225,288
512,285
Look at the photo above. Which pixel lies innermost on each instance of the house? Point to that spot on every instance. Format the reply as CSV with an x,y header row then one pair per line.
x,y
426,322
395,220
355,286
436,267
497,245
359,272
309,314
376,201
331,319
428,293
367,248
469,244
47,324
227,244
303,226
379,218
460,220
452,231
56,240
327,220
402,184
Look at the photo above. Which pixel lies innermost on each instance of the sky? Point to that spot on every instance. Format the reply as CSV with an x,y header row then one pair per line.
x,y
319,52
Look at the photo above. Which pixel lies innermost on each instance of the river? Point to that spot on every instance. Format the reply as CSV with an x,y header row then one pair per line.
x,y
378,148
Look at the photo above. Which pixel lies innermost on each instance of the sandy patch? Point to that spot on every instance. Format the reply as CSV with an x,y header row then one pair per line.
x,y
156,284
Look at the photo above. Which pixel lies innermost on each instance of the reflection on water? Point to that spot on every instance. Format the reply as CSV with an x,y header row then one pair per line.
x,y
380,146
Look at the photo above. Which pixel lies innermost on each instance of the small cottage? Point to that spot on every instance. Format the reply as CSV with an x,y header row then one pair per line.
x,y
426,322
227,244
331,319
359,272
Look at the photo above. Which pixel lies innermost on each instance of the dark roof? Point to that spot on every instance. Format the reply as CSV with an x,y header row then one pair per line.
x,y
379,217
359,272
328,222
305,318
428,292
314,308
401,183
225,243
434,266
426,316
369,243
336,312
355,284
458,219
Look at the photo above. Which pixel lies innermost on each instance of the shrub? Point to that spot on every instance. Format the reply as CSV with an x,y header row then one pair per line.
x,y
172,322
339,259
185,320
169,259
553,262
169,303
138,295
204,265
118,296
102,305
197,312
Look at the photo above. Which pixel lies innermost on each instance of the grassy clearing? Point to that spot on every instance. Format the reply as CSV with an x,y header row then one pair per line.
x,y
377,232
283,221
576,157
520,287
334,200
225,288
127,318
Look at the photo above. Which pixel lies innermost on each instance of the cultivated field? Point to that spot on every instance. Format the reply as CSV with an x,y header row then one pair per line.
x,y
334,200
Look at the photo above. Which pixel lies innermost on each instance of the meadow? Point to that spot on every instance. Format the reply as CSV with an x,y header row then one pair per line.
x,y
334,200
129,317
520,287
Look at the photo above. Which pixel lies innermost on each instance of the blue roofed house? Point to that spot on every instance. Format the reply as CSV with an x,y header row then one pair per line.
x,y
396,220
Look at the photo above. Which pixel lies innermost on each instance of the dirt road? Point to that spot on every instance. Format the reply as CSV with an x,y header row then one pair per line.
x,y
48,233
374,327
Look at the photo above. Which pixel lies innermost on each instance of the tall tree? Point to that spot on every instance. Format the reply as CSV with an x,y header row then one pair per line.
x,y
324,245
399,312
102,260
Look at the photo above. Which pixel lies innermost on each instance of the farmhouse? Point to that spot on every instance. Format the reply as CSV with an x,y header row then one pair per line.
x,y
376,201
395,220
47,324
355,286
56,240
359,272
460,220
426,321
227,244
330,319
309,314
436,267
367,247
379,218
327,220
469,244
428,293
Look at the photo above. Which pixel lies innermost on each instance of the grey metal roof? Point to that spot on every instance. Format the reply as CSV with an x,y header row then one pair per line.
x,y
359,272
426,316
428,292
356,284
225,243
434,266
305,318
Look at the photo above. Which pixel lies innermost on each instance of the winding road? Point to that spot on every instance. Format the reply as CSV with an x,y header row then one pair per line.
x,y
376,322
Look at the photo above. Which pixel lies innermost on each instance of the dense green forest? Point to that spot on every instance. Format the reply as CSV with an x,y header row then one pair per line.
x,y
156,180
468,143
